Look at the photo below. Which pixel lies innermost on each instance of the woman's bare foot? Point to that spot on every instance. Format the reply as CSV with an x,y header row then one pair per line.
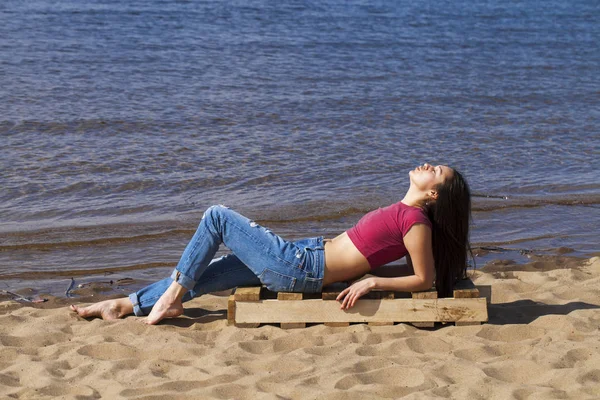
x,y
168,306
108,309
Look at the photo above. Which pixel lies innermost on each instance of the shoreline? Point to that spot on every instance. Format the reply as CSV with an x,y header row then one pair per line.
x,y
97,287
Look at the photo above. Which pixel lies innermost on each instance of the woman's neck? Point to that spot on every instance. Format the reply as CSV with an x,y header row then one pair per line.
x,y
414,198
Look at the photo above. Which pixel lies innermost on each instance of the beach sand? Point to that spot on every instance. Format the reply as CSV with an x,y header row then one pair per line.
x,y
542,341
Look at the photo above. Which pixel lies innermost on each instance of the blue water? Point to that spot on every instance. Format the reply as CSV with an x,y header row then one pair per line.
x,y
122,121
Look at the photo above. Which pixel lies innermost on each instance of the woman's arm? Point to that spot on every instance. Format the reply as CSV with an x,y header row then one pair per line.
x,y
394,270
418,243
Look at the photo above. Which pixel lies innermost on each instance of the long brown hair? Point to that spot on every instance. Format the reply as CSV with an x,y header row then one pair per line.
x,y
450,215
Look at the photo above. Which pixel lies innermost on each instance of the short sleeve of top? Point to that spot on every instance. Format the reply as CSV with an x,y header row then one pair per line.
x,y
379,235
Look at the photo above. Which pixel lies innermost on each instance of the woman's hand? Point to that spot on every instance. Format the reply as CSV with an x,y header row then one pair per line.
x,y
355,292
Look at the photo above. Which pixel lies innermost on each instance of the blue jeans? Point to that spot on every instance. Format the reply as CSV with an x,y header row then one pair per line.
x,y
259,257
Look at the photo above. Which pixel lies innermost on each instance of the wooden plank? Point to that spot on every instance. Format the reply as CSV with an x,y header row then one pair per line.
x,y
332,296
381,323
329,295
398,310
426,294
368,308
465,289
247,293
466,293
381,294
284,296
289,296
430,294
375,294
231,310
384,295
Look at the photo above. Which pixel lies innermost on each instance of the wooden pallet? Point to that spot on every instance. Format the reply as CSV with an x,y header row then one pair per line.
x,y
249,307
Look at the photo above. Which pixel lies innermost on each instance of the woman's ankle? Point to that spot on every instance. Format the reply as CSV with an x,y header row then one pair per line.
x,y
176,291
125,307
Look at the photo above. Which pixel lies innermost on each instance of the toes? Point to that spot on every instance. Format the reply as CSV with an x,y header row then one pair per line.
x,y
82,311
78,310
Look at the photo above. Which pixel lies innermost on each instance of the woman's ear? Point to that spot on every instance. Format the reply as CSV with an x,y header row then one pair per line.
x,y
433,194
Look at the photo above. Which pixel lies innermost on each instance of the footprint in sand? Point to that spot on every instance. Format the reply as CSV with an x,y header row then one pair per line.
x,y
290,343
326,350
425,345
590,378
192,383
369,365
518,371
369,351
125,364
108,351
459,372
396,376
510,333
58,369
10,379
233,391
32,344
540,393
76,391
576,357
488,353
257,346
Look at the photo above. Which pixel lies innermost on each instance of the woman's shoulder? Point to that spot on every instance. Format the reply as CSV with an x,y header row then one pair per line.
x,y
411,215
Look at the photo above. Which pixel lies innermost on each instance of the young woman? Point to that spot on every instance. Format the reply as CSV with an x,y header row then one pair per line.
x,y
430,226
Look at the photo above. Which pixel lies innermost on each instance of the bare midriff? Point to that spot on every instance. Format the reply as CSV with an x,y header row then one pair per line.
x,y
343,261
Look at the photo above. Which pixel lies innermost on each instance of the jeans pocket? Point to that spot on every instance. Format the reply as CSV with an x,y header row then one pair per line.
x,y
276,282
301,258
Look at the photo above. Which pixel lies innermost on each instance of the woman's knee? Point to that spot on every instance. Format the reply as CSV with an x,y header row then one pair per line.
x,y
217,216
214,212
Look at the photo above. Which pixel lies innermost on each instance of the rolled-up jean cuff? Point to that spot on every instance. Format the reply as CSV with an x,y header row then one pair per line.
x,y
133,297
183,280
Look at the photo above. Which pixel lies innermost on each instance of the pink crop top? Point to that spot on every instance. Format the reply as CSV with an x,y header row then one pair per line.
x,y
379,235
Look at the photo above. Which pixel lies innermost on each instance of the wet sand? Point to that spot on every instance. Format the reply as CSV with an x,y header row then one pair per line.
x,y
542,342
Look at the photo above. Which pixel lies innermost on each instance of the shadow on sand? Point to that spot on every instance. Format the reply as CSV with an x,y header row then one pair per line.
x,y
516,312
526,311
193,316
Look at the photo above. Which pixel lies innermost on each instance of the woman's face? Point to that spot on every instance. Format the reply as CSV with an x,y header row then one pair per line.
x,y
426,177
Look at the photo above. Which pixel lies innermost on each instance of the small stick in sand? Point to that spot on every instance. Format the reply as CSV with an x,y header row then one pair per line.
x,y
18,297
71,284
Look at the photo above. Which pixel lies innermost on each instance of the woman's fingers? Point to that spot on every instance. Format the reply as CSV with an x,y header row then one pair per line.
x,y
352,300
345,301
342,294
351,294
348,300
345,297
